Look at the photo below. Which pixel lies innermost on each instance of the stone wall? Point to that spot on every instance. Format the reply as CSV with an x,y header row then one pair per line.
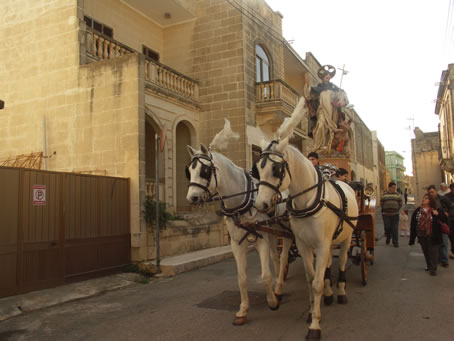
x,y
40,59
425,159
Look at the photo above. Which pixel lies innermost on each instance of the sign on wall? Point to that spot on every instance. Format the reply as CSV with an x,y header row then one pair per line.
x,y
39,195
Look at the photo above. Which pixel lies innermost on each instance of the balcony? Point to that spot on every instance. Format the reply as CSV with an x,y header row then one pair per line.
x,y
159,78
275,100
164,81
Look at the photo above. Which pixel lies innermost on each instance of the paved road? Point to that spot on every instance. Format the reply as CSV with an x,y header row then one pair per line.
x,y
400,302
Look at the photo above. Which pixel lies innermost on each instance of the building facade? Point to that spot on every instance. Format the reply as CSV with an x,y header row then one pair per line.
x,y
425,160
444,110
97,81
379,166
395,164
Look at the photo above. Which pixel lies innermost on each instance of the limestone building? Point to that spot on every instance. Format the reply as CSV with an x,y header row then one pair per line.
x,y
426,168
91,83
395,164
444,110
379,166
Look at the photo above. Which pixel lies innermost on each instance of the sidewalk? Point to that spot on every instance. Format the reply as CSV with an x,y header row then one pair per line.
x,y
20,304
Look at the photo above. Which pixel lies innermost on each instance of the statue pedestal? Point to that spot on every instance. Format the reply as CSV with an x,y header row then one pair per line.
x,y
340,162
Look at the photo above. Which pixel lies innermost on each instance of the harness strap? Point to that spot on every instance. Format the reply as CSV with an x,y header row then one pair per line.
x,y
279,233
247,228
246,205
316,205
340,212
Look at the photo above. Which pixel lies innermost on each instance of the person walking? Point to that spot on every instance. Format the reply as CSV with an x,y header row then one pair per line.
x,y
425,224
403,223
406,195
391,202
450,197
443,207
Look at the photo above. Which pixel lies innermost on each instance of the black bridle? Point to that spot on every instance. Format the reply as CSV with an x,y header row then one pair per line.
x,y
206,172
279,168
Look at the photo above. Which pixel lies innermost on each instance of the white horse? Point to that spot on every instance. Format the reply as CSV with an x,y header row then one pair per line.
x,y
313,220
212,172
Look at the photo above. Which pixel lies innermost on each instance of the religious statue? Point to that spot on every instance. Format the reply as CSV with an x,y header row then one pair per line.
x,y
329,125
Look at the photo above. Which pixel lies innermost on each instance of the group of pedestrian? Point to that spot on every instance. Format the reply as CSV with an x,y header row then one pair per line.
x,y
432,223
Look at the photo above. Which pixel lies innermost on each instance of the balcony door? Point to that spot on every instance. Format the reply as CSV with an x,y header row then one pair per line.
x,y
262,65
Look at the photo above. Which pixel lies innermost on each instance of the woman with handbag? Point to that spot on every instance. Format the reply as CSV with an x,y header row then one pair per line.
x,y
426,225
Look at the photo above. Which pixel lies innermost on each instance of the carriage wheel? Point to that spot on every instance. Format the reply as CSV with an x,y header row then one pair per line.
x,y
363,256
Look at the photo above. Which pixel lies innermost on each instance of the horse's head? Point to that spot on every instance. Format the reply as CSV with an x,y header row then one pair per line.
x,y
274,174
201,174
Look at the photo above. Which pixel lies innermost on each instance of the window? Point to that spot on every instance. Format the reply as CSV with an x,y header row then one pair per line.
x,y
99,27
262,65
150,53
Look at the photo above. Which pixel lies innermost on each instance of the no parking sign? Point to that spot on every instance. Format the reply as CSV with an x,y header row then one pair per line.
x,y
39,195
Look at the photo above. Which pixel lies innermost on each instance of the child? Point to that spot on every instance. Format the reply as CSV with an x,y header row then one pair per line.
x,y
403,222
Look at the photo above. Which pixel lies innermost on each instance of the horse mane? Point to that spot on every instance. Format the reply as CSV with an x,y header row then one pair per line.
x,y
222,139
287,127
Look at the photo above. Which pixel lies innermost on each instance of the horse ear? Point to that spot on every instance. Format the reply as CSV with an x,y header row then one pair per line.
x,y
203,148
264,143
282,145
191,151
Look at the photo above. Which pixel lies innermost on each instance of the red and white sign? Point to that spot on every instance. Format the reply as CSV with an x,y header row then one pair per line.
x,y
39,195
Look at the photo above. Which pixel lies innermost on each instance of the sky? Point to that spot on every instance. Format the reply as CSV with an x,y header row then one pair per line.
x,y
394,52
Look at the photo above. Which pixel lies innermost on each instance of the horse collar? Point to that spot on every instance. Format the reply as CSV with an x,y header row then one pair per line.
x,y
246,205
318,203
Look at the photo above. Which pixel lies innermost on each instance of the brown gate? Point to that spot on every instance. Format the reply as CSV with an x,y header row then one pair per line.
x,y
56,227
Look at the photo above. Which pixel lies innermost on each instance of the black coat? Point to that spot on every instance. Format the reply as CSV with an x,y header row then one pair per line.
x,y
436,230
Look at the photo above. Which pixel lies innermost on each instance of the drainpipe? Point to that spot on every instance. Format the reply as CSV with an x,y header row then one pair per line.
x,y
158,256
44,143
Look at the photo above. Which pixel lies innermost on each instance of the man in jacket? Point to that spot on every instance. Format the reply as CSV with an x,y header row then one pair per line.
x,y
450,197
391,202
442,206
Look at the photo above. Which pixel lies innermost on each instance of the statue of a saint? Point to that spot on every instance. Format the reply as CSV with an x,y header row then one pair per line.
x,y
328,119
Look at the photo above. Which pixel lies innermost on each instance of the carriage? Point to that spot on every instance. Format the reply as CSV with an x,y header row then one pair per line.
x,y
363,239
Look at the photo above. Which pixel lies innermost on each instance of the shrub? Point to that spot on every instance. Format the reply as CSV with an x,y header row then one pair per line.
x,y
150,212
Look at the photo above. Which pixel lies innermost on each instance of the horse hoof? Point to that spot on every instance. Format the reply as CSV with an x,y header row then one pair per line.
x,y
277,306
314,334
328,300
278,296
239,321
342,299
309,318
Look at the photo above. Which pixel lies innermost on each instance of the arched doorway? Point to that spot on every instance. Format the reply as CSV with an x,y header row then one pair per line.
x,y
182,139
